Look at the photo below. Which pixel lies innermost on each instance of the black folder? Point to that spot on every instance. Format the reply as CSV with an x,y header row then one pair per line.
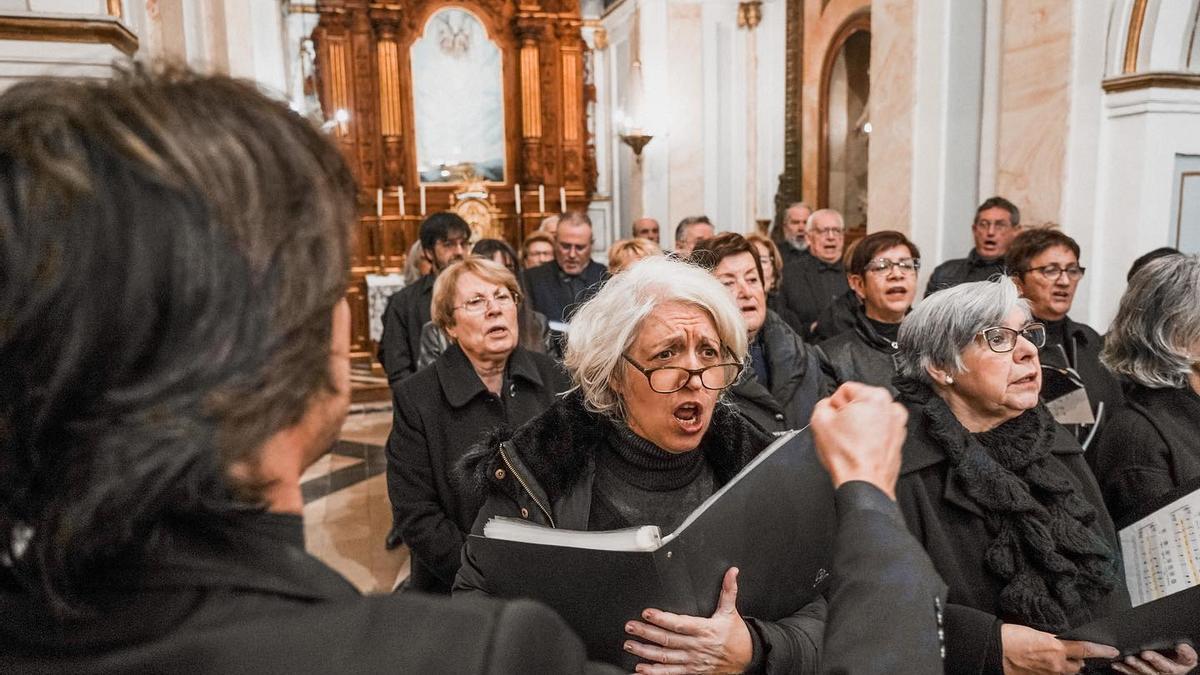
x,y
774,521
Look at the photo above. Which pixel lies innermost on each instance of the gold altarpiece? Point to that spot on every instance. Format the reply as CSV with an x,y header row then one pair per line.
x,y
366,84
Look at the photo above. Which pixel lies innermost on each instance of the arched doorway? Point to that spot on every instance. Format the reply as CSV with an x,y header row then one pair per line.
x,y
845,121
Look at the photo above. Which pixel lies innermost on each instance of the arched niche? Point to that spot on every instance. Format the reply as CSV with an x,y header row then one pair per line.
x,y
845,121
457,73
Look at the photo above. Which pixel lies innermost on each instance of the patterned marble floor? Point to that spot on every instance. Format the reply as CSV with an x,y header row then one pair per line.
x,y
346,510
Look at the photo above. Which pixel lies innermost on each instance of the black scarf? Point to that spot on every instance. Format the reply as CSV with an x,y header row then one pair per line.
x,y
1054,565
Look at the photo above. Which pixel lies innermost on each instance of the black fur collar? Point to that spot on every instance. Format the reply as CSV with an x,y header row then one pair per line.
x,y
557,445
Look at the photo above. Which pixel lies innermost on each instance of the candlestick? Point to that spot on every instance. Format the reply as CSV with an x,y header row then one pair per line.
x,y
541,198
400,199
562,200
517,197
422,199
379,203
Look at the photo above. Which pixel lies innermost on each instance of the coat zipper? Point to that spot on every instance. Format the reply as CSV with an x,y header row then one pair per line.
x,y
524,485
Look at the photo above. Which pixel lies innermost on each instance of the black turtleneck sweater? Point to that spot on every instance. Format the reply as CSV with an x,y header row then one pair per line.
x,y
888,331
638,483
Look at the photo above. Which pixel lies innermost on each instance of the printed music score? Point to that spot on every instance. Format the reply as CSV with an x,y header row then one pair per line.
x,y
1162,551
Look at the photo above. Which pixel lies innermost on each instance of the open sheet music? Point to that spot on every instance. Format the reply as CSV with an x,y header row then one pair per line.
x,y
1162,551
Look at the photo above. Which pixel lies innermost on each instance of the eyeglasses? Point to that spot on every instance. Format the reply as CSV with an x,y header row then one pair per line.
x,y
885,265
822,231
1054,272
479,304
1002,339
986,225
670,379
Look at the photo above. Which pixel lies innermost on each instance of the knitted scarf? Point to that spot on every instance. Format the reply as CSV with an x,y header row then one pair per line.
x,y
1054,565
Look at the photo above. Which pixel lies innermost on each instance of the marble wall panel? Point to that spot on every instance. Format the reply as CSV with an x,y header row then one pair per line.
x,y
890,161
685,106
1034,107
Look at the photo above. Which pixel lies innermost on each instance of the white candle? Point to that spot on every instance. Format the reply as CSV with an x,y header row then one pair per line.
x,y
422,199
562,200
541,198
517,197
400,198
379,203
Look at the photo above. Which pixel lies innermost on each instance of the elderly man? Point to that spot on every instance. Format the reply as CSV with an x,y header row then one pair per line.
x,y
549,225
152,506
789,235
444,238
689,231
646,228
817,278
557,287
997,223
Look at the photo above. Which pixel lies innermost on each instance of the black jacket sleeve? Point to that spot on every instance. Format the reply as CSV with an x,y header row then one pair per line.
x,y
1133,465
530,638
885,609
791,644
417,509
395,356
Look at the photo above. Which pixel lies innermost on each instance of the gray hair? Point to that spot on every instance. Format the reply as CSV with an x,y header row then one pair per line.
x,y
686,224
937,331
605,326
812,217
412,270
1157,329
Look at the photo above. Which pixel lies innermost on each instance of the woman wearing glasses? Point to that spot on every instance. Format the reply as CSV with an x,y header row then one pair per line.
x,y
644,440
483,380
999,493
882,271
1044,263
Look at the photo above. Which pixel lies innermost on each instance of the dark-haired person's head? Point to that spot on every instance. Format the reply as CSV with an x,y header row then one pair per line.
x,y
734,261
1150,257
1044,263
496,250
174,338
997,221
689,231
882,269
445,239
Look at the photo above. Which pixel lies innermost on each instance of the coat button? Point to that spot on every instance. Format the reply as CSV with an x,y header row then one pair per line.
x,y
524,512
499,474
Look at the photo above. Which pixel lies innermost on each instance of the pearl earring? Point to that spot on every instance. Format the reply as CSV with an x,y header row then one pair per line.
x,y
949,380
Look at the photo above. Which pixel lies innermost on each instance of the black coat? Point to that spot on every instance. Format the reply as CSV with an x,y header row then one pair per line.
x,y
839,317
808,286
862,355
1080,349
974,267
878,562
798,380
556,294
954,533
406,313
438,414
544,473
1149,448
242,596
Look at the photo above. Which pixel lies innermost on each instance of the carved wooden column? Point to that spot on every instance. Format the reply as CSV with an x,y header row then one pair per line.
x,y
530,33
573,119
390,109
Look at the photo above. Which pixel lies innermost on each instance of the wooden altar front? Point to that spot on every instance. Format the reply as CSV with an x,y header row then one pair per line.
x,y
365,83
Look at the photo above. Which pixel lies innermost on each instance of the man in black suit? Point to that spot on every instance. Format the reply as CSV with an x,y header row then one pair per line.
x,y
885,609
163,393
557,287
816,277
997,223
445,238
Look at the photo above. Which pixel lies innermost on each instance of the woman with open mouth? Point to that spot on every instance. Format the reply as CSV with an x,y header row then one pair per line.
x,y
644,440
999,493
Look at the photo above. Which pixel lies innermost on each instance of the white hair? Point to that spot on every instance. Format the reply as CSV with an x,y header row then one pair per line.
x,y
937,331
812,218
606,326
1154,337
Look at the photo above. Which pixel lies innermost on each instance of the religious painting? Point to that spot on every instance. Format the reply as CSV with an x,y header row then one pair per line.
x,y
458,100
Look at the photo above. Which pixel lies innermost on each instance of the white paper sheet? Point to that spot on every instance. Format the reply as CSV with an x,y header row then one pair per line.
x,y
1162,550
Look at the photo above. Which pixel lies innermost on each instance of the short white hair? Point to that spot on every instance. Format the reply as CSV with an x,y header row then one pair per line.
x,y
606,326
937,331
1158,324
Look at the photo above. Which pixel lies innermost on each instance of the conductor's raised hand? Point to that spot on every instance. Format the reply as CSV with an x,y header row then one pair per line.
x,y
859,431
676,643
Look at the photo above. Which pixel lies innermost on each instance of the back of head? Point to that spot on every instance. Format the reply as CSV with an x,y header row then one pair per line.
x,y
1147,258
171,251
1156,334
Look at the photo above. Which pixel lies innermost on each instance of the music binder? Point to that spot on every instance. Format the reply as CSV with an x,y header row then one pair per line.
x,y
774,520
1161,553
